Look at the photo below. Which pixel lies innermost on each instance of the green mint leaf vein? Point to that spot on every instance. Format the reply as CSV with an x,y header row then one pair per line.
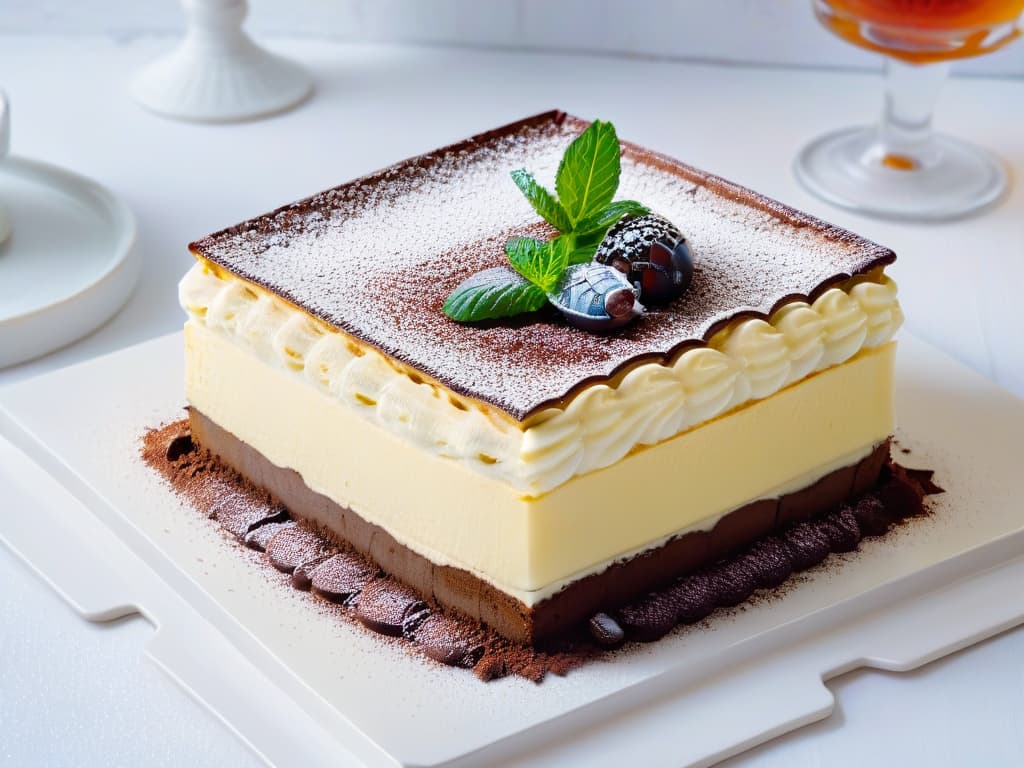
x,y
609,216
493,293
589,172
543,202
542,263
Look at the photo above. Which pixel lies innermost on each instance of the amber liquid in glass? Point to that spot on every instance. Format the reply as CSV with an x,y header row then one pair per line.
x,y
923,31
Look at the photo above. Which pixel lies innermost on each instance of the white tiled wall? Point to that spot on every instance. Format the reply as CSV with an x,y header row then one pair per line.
x,y
763,31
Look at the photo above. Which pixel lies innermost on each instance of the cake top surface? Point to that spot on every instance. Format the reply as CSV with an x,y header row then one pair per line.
x,y
378,256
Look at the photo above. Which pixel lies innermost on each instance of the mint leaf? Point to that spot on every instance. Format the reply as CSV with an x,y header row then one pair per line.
x,y
585,246
591,231
543,202
582,254
605,219
493,293
589,172
542,263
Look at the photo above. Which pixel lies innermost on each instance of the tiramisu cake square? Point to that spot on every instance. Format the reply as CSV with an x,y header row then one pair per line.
x,y
532,421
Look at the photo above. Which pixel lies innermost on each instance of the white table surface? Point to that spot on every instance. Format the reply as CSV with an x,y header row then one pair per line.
x,y
77,693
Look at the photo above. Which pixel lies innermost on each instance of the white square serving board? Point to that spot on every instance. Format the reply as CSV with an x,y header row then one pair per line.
x,y
303,688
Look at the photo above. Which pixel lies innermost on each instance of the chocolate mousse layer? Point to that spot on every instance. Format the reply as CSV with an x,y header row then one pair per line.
x,y
458,589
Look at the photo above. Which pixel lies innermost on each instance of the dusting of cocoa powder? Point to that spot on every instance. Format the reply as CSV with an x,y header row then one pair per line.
x,y
341,576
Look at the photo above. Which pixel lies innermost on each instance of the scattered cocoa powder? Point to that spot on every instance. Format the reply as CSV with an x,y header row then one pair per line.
x,y
364,595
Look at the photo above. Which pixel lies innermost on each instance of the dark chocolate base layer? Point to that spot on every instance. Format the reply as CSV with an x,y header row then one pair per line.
x,y
350,584
461,590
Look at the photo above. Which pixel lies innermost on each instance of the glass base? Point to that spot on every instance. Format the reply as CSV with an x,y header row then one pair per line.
x,y
846,168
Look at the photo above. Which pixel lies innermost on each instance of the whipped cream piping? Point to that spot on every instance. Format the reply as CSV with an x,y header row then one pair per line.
x,y
749,360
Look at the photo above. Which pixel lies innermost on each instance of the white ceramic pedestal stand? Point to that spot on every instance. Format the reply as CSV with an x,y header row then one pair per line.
x,y
218,73
67,255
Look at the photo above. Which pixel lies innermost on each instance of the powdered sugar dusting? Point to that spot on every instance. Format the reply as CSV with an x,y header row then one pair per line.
x,y
378,256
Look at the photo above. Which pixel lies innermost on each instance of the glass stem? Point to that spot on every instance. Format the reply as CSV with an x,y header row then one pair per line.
x,y
905,137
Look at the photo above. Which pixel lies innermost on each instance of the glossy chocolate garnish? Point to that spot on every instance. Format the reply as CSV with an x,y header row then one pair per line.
x,y
733,580
773,559
652,253
649,619
808,544
694,597
377,258
259,538
448,640
239,517
384,605
302,576
389,607
606,631
596,298
843,530
341,577
296,546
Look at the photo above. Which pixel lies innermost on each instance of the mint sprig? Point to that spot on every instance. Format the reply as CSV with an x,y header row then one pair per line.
x,y
583,212
604,219
589,172
543,202
493,293
540,262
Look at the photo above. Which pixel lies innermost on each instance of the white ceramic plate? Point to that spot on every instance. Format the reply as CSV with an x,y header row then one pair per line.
x,y
69,263
340,695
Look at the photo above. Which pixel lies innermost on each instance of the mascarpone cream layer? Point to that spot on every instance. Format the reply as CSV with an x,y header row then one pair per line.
x,y
530,546
750,360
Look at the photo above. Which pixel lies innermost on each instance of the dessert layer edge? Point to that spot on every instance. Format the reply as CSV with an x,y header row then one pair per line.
x,y
626,579
527,544
747,360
